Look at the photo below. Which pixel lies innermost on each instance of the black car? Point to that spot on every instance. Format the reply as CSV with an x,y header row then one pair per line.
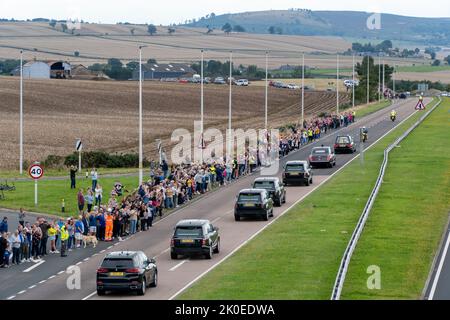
x,y
194,237
344,144
297,172
322,156
128,271
274,187
253,203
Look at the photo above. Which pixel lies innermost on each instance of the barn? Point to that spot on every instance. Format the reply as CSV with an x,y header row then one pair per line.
x,y
46,70
156,71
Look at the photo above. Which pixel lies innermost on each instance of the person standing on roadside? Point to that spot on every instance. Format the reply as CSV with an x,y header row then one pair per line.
x,y
80,200
98,194
36,234
94,177
15,244
64,239
44,237
3,247
89,200
4,225
52,237
22,217
73,174
79,231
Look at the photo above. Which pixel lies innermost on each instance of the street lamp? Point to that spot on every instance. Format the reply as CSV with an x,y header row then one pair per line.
x,y
21,114
141,173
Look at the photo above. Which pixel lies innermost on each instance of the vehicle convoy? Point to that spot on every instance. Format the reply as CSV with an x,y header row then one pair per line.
x,y
321,156
241,82
253,203
297,172
274,187
126,271
344,144
194,237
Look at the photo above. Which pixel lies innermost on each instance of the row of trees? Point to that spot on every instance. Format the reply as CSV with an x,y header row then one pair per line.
x,y
213,68
8,65
384,46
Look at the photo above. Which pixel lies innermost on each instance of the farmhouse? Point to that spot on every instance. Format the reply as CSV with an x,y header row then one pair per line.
x,y
45,70
156,71
81,72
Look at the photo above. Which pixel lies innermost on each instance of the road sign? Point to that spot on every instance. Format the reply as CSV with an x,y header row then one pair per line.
x,y
36,171
420,105
78,145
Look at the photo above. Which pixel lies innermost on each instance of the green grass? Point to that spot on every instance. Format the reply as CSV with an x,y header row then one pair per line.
x,y
12,174
371,108
408,218
51,193
423,68
298,256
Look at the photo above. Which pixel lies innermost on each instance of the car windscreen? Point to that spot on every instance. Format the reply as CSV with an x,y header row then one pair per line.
x,y
249,197
342,140
189,231
320,151
295,167
264,185
118,263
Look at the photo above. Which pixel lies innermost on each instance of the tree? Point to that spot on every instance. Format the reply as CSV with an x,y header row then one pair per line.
x,y
447,59
238,28
152,61
132,30
271,30
52,24
384,46
76,53
64,27
171,30
436,63
227,28
151,29
210,30
417,51
279,30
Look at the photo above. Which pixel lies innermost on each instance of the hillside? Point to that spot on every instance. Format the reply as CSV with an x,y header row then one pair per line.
x,y
348,24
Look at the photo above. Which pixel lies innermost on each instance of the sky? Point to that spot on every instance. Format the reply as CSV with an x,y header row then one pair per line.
x,y
175,11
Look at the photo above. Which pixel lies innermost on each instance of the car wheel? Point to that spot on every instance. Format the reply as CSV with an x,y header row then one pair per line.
x,y
311,181
237,218
141,292
209,254
278,202
101,292
307,183
217,248
173,256
154,284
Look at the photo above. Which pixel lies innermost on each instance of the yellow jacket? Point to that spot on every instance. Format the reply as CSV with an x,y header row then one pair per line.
x,y
64,233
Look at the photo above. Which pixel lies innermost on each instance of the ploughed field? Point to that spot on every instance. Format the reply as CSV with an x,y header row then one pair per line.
x,y
105,114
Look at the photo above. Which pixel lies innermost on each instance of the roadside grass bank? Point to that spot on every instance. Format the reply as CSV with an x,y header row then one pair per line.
x,y
409,216
297,257
371,108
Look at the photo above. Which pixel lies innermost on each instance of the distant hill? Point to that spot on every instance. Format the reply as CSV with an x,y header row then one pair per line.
x,y
349,24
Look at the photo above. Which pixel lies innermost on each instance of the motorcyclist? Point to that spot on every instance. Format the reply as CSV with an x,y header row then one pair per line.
x,y
393,115
364,133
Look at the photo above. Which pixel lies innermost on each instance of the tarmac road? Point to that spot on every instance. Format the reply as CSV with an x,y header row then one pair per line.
x,y
49,281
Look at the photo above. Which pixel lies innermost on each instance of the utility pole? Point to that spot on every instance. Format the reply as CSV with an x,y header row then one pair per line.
x,y
303,90
141,157
368,81
337,84
201,106
267,88
21,114
353,79
229,152
379,78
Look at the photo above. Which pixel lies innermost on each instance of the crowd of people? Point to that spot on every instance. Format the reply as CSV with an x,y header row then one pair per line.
x,y
126,213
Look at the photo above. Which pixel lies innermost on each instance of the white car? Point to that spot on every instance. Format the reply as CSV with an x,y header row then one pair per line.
x,y
351,83
241,82
293,86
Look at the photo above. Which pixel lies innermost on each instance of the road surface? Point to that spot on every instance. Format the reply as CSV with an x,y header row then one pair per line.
x,y
49,279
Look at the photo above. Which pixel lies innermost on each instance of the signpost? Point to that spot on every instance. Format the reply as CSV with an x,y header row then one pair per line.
x,y
36,172
79,147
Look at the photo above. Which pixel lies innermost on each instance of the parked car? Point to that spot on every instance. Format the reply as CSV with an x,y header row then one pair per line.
x,y
241,82
253,203
194,237
403,95
322,156
128,271
293,86
297,171
344,144
220,80
274,187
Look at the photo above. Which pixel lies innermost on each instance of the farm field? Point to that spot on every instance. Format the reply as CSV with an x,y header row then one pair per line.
x,y
105,114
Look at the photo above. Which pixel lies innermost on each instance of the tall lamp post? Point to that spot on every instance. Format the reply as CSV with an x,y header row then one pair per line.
x,y
141,170
337,84
303,90
21,114
267,88
229,151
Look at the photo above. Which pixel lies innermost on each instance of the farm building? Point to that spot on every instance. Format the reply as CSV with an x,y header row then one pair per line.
x,y
158,71
45,70
80,72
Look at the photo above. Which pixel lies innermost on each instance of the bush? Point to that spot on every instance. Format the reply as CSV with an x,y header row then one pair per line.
x,y
102,159
53,161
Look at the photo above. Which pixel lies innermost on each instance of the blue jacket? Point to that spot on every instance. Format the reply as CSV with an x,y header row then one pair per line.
x,y
92,221
4,226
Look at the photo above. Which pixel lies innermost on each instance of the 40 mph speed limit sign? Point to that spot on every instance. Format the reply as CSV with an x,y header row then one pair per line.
x,y
36,171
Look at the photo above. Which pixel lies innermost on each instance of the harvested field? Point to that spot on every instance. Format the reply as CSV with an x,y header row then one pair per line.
x,y
105,114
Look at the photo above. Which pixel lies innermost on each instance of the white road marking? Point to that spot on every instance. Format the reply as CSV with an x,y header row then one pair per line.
x,y
10,298
282,213
102,251
89,296
78,263
23,291
51,277
216,219
178,265
86,259
34,266
110,247
61,272
41,282
31,287
438,272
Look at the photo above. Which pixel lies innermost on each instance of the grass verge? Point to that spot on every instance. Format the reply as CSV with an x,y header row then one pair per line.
x,y
371,108
408,217
298,256
14,174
